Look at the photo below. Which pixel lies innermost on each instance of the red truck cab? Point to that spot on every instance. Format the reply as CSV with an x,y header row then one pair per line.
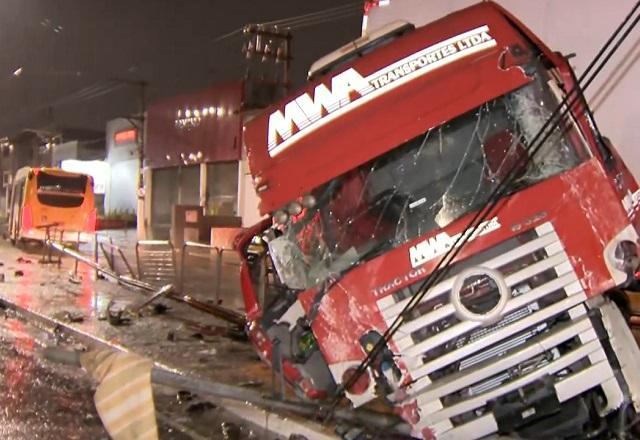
x,y
372,173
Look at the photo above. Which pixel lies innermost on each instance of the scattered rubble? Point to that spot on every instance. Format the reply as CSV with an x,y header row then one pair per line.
x,y
230,431
184,396
69,316
200,407
160,309
209,352
251,384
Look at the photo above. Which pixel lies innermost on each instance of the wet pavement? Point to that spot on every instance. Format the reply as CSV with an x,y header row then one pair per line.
x,y
175,336
39,399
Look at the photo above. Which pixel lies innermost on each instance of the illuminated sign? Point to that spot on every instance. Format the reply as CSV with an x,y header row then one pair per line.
x,y
350,89
191,118
125,136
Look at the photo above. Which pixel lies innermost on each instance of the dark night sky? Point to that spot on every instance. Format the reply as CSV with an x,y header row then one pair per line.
x,y
169,43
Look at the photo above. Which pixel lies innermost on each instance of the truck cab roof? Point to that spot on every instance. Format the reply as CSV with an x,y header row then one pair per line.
x,y
372,103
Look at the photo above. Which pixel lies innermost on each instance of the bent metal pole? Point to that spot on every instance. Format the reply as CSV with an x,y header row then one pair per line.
x,y
220,312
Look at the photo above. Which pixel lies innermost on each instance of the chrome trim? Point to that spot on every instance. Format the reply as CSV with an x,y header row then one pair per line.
x,y
390,308
465,378
463,312
482,399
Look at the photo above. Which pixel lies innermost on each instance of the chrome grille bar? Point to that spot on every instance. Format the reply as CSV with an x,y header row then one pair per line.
x,y
390,308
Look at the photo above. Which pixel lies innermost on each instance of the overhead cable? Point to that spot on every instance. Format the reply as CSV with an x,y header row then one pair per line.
x,y
443,265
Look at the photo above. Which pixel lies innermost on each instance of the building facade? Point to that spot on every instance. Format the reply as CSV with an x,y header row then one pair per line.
x,y
124,165
193,157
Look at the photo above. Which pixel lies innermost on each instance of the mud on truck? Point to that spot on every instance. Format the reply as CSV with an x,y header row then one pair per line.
x,y
373,172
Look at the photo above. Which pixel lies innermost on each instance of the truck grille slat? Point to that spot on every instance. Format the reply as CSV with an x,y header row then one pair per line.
x,y
511,281
457,365
464,377
480,400
390,309
512,305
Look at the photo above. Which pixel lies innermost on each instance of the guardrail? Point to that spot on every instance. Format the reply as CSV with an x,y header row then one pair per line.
x,y
114,255
156,262
194,276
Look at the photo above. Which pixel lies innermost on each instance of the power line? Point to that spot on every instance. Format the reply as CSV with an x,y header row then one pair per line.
x,y
538,141
304,20
328,19
290,20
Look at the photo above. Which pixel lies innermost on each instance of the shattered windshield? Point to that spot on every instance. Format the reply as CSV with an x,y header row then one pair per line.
x,y
426,183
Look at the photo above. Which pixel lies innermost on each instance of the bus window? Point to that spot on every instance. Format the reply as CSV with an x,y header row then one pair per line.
x,y
61,191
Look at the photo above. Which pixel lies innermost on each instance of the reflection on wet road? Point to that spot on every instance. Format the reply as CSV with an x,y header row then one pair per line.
x,y
44,400
40,400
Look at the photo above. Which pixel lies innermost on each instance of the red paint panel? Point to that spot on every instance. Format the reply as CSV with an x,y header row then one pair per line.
x,y
206,122
394,117
586,214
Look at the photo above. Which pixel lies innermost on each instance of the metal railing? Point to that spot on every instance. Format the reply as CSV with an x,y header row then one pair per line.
x,y
195,277
156,262
114,255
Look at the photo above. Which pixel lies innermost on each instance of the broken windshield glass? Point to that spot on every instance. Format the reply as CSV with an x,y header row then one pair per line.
x,y
428,182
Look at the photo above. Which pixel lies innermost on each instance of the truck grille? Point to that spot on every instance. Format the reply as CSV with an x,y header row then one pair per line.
x,y
458,366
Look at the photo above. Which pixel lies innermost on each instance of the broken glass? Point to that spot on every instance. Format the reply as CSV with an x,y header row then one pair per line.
x,y
429,181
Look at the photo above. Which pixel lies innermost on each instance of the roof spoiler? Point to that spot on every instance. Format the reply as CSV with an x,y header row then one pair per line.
x,y
359,47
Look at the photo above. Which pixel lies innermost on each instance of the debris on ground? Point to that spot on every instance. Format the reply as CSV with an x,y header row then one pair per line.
x,y
18,273
118,314
159,309
118,318
200,407
163,291
348,432
251,384
1,277
23,260
184,396
69,316
230,431
209,352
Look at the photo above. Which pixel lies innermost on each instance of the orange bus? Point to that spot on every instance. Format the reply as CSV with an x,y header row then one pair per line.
x,y
51,199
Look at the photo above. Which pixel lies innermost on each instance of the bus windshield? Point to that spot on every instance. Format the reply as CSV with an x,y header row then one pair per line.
x,y
428,182
61,191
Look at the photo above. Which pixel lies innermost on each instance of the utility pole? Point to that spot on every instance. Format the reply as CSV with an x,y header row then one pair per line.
x,y
141,192
138,121
267,50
